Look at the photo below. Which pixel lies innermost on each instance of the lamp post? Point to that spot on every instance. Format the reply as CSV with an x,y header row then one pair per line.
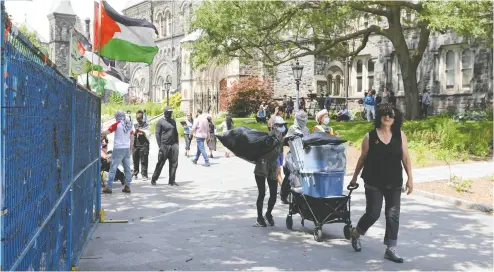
x,y
166,86
297,74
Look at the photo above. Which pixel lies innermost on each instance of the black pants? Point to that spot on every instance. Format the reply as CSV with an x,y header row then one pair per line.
x,y
260,119
425,109
285,186
170,153
141,154
343,118
105,166
374,201
273,190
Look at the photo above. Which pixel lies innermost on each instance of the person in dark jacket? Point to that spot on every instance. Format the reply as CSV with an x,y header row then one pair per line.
x,y
384,151
167,139
141,146
321,101
266,169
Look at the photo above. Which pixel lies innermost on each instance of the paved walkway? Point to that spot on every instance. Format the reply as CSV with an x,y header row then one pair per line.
x,y
207,224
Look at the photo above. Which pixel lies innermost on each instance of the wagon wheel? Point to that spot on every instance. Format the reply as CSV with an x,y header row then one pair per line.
x,y
347,231
318,234
289,222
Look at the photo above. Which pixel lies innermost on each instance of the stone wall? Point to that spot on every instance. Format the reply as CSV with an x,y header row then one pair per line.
x,y
284,82
59,42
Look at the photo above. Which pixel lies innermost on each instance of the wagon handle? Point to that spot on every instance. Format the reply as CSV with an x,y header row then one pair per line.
x,y
350,188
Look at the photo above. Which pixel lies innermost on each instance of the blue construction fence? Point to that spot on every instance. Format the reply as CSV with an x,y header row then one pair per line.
x,y
50,167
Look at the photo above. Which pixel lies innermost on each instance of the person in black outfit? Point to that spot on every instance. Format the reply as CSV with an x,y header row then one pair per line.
x,y
167,139
321,101
141,146
384,150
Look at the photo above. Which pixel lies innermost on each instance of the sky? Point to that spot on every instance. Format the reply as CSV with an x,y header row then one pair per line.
x,y
36,11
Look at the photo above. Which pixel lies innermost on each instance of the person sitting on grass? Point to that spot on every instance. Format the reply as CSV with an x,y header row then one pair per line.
x,y
261,115
343,115
322,119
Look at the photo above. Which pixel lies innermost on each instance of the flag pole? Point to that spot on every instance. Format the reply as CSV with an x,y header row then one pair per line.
x,y
70,53
99,43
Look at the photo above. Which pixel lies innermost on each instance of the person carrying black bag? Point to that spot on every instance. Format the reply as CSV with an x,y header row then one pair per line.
x,y
167,139
141,146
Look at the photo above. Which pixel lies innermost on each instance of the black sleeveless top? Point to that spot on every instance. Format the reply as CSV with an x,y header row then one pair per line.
x,y
383,164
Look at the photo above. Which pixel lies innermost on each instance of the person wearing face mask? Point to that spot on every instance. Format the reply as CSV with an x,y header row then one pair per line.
x,y
299,128
322,119
266,169
167,139
141,146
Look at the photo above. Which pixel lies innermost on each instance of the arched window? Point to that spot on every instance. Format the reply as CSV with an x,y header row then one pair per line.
x,y
370,74
359,76
168,23
142,86
330,85
466,67
337,84
160,22
450,69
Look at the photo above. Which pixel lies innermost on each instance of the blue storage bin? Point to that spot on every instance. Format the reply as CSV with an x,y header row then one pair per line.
x,y
323,184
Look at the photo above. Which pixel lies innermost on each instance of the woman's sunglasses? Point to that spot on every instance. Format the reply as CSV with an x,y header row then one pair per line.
x,y
389,114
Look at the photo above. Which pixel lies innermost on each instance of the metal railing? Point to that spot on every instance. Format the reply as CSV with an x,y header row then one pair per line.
x,y
51,197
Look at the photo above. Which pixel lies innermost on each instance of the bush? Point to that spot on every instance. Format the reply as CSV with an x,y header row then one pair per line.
x,y
245,95
460,184
175,101
116,98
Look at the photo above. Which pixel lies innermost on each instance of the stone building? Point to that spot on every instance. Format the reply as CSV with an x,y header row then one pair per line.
x,y
458,74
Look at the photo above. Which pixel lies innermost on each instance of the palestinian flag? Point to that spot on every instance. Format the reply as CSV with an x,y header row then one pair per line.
x,y
82,59
123,38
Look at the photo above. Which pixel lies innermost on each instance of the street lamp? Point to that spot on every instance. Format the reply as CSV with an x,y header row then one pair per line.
x,y
166,86
297,74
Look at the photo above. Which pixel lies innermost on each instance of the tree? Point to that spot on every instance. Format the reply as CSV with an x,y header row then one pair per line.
x,y
246,94
32,36
275,32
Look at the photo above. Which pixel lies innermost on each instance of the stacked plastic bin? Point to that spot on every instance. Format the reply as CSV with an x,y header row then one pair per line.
x,y
323,170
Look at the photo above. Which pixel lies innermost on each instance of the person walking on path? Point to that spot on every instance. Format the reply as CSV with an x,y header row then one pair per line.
x,y
265,169
321,100
123,146
212,137
226,126
187,125
384,150
370,103
201,130
167,139
426,102
141,146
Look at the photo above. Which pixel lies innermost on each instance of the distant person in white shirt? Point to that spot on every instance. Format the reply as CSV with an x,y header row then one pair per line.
x,y
343,115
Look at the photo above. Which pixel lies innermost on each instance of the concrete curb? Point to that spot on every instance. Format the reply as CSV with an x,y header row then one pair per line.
x,y
455,201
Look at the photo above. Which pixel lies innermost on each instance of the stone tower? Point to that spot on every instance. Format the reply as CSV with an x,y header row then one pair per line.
x,y
62,20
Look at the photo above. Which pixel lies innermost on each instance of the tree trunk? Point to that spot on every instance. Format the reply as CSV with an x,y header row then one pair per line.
x,y
409,77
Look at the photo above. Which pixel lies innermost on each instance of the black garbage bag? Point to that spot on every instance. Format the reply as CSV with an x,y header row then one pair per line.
x,y
322,138
248,144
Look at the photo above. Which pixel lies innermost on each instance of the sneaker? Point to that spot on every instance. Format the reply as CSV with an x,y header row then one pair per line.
x,y
356,242
107,190
144,178
260,222
391,255
284,200
194,161
269,219
207,164
134,176
153,182
173,184
126,189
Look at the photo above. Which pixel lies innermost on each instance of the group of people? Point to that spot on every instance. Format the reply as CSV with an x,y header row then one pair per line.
x,y
384,153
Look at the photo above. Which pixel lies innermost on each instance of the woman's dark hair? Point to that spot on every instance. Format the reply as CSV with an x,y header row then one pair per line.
x,y
229,122
387,108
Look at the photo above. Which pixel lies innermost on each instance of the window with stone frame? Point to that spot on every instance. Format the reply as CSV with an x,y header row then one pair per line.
x,y
370,74
321,87
330,84
168,23
456,68
466,67
359,75
160,22
337,86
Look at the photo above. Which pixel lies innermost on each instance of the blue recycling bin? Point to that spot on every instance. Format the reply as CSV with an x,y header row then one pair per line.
x,y
323,184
